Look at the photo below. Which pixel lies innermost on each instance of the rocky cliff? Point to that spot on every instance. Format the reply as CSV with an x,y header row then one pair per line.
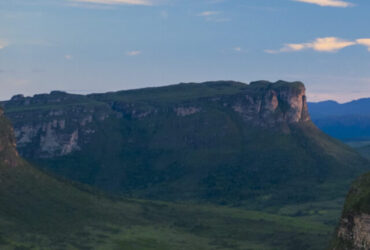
x,y
57,124
279,103
353,232
54,124
8,153
216,141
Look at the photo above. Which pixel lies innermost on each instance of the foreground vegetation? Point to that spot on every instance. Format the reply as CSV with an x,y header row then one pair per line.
x,y
128,224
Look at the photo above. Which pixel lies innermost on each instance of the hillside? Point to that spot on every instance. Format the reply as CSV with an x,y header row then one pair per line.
x,y
38,212
222,142
365,151
353,232
348,121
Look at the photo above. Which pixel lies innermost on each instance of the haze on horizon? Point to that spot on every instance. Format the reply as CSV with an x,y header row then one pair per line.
x,y
85,46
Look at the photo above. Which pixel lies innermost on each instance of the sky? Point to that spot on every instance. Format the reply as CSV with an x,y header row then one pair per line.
x,y
89,46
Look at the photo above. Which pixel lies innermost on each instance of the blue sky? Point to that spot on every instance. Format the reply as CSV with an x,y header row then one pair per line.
x,y
84,46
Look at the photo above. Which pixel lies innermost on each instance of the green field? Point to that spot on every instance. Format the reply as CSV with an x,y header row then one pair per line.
x,y
152,225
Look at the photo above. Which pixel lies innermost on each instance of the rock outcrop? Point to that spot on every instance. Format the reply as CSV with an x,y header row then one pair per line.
x,y
280,103
353,232
8,152
55,124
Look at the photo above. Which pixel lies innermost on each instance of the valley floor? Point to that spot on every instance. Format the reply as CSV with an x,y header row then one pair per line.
x,y
141,225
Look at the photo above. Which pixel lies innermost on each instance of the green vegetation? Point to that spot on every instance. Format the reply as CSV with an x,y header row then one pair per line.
x,y
216,179
38,212
126,224
227,162
358,199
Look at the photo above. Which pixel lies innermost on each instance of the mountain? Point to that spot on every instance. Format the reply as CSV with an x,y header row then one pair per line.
x,y
348,121
250,145
326,108
364,150
40,212
353,232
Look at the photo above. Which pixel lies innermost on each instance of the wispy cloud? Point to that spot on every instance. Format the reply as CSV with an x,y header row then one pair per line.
x,y
365,42
213,16
209,13
328,3
240,50
68,57
3,44
325,44
115,2
133,53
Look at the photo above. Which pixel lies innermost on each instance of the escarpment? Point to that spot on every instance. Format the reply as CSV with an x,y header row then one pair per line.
x,y
224,142
57,124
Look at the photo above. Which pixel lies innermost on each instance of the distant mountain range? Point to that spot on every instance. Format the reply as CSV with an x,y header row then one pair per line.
x,y
348,121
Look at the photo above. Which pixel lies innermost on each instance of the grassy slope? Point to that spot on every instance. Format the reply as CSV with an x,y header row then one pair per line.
x,y
153,225
37,212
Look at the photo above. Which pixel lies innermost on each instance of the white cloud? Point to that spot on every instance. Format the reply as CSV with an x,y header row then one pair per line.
x,y
328,3
365,42
213,16
68,57
209,13
113,2
330,44
237,49
325,44
3,44
133,53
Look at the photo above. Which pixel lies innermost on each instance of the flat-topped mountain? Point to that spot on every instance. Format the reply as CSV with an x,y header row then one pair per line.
x,y
225,142
41,212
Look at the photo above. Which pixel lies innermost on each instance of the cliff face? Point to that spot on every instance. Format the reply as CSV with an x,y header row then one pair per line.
x,y
57,124
353,232
281,103
8,152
